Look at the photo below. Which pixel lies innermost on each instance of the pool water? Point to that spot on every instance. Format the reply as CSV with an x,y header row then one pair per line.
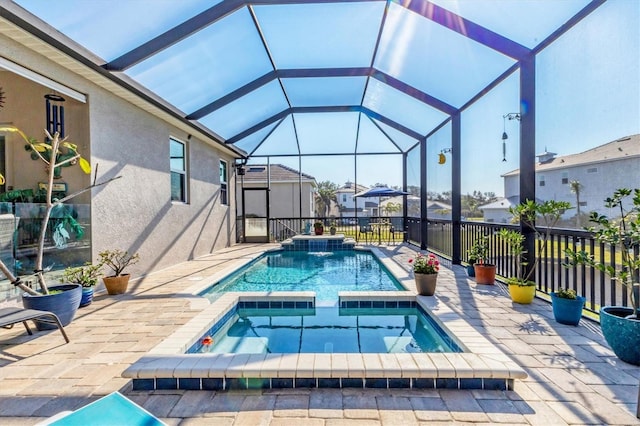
x,y
326,273
327,330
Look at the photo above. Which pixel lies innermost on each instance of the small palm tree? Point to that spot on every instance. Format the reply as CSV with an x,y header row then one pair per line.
x,y
325,195
575,187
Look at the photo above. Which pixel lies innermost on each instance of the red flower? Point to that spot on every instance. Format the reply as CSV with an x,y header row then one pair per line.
x,y
207,341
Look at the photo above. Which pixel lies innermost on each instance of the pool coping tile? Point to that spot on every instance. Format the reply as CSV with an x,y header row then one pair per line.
x,y
480,358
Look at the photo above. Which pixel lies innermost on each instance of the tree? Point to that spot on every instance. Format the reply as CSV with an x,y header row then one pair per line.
x,y
575,186
391,208
325,194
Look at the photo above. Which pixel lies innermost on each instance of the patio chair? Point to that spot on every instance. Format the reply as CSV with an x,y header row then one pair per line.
x,y
392,234
113,409
366,230
12,315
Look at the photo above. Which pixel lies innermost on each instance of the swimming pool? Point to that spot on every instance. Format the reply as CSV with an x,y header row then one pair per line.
x,y
326,330
326,273
480,365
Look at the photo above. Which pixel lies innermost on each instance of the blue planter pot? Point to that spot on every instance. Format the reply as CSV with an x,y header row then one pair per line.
x,y
63,304
87,296
567,311
471,271
623,335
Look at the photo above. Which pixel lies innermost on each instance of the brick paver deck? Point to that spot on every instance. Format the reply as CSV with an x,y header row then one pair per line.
x,y
574,378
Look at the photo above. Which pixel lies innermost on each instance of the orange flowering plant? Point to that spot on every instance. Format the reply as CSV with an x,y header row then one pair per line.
x,y
428,264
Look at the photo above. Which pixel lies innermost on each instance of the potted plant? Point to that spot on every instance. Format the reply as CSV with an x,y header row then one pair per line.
x,y
470,269
484,272
63,300
318,227
620,324
117,260
332,228
425,272
567,306
87,276
521,287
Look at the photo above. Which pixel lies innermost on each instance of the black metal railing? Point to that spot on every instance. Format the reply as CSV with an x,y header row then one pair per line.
x,y
552,271
378,229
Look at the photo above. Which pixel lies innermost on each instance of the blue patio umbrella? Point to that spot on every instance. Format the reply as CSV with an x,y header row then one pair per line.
x,y
381,191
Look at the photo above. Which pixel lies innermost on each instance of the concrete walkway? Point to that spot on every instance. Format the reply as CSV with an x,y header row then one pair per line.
x,y
574,378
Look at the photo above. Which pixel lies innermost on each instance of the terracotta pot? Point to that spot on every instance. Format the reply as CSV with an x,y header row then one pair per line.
x,y
426,283
116,285
485,273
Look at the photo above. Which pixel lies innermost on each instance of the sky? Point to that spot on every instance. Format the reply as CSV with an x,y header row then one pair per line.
x,y
587,82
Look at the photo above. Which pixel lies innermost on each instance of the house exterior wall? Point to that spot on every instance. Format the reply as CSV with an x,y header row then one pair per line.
x,y
596,186
496,215
346,200
135,212
284,199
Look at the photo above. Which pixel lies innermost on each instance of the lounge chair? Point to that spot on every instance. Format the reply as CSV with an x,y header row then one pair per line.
x,y
11,316
110,410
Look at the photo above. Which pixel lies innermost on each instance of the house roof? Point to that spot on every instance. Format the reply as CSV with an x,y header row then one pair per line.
x,y
504,203
619,149
501,203
279,173
351,187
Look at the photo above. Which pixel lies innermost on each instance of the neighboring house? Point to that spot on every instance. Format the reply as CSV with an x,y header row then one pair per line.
x,y
438,210
435,209
287,186
498,210
349,206
600,171
175,198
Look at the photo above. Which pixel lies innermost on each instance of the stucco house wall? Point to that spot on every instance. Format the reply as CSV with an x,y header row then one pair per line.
x,y
287,187
284,199
598,177
129,138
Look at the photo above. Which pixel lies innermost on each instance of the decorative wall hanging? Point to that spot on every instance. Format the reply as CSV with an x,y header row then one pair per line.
x,y
510,116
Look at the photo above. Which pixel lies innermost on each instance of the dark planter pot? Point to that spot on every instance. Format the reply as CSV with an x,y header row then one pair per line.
x,y
471,271
318,231
623,335
63,304
87,296
567,311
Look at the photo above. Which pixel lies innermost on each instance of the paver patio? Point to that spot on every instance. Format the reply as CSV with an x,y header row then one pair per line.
x,y
574,378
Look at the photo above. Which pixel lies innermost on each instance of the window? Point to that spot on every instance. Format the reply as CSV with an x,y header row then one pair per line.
x,y
542,183
344,198
565,178
223,183
178,164
592,170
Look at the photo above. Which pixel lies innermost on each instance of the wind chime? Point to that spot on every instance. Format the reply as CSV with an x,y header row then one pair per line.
x,y
54,123
510,116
